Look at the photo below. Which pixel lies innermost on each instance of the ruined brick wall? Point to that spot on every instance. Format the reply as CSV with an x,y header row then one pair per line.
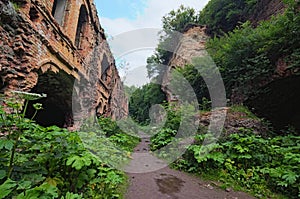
x,y
191,45
118,101
48,45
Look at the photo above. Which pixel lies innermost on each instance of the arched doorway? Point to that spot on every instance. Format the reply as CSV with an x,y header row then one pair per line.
x,y
57,106
279,103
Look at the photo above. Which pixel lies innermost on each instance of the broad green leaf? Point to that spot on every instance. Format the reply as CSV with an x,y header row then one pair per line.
x,y
87,161
91,172
7,144
78,164
282,183
50,189
71,160
7,187
24,185
52,181
29,194
290,177
72,196
2,174
45,191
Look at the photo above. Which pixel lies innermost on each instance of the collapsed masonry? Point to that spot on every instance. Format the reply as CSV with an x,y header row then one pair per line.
x,y
58,47
191,45
279,104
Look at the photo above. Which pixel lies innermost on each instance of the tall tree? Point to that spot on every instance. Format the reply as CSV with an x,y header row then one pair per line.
x,y
142,99
174,24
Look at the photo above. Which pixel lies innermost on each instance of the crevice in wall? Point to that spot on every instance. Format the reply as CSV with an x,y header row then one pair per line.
x,y
81,26
104,67
33,14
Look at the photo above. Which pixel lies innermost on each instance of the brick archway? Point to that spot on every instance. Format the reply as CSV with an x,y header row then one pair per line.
x,y
57,106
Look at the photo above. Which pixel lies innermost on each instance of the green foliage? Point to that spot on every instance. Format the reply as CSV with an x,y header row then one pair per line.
x,y
176,116
112,130
129,90
108,126
243,109
176,20
124,141
195,79
174,23
51,162
17,5
142,99
248,55
7,187
253,162
222,16
162,138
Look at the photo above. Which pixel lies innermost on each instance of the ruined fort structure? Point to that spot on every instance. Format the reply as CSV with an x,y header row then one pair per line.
x,y
58,47
279,104
191,45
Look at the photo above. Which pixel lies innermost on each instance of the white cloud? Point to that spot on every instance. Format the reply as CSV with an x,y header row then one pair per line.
x,y
136,77
150,18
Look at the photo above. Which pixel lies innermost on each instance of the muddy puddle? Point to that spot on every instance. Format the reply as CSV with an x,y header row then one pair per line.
x,y
169,184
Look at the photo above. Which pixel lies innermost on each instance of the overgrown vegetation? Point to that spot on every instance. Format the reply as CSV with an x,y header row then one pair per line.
x,y
243,160
142,99
259,165
51,162
174,24
165,135
245,56
249,55
222,16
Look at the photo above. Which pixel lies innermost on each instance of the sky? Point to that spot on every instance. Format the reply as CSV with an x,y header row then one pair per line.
x,y
119,17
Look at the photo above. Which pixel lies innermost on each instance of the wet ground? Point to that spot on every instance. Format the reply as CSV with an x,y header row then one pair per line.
x,y
150,178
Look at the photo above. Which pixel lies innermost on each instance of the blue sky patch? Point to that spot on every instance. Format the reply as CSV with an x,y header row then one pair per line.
x,y
114,9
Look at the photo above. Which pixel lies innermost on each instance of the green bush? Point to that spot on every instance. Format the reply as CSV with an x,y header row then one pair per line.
x,y
222,16
50,162
247,55
125,141
162,138
249,160
142,99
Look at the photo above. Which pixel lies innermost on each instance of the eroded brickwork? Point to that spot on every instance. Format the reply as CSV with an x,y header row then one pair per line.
x,y
51,45
191,45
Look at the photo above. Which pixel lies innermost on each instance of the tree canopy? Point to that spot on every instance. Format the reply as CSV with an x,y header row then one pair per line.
x,y
142,99
174,24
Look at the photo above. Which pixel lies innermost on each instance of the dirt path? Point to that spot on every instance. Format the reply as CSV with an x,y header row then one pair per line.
x,y
168,183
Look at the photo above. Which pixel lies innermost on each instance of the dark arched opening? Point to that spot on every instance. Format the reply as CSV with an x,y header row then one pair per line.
x,y
98,110
81,25
57,106
279,103
2,86
58,11
104,67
